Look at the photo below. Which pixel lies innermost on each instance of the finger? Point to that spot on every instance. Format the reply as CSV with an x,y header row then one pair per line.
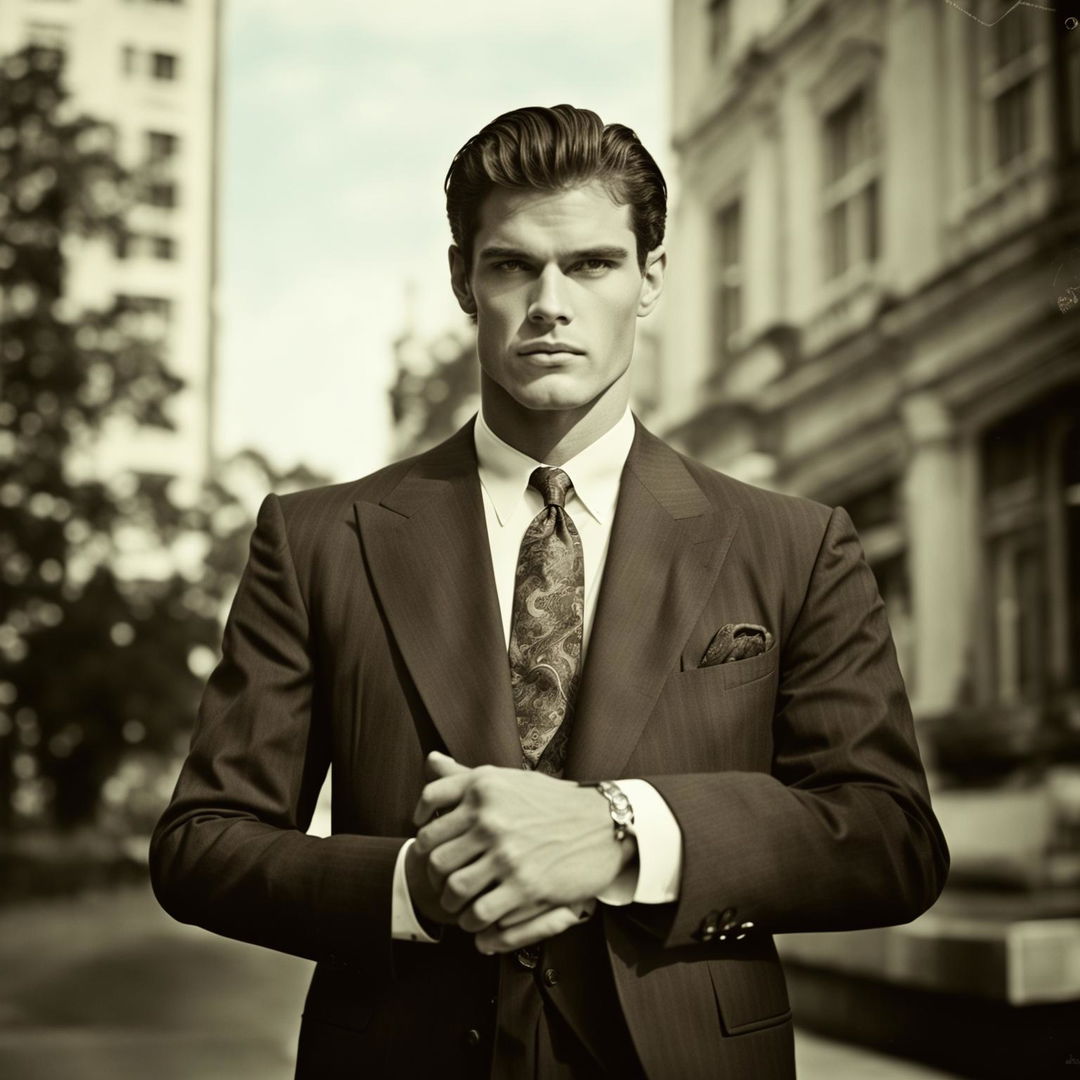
x,y
465,885
540,928
441,793
447,857
488,909
522,914
439,765
443,828
584,910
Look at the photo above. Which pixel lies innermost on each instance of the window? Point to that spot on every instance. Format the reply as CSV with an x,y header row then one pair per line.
x,y
1031,533
161,145
852,213
1006,60
1072,84
161,193
164,66
727,279
719,32
149,316
46,35
128,59
162,247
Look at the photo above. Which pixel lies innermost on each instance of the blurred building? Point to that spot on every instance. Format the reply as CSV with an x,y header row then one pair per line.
x,y
152,69
875,266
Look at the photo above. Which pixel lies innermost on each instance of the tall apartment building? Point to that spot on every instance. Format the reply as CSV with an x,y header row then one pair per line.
x,y
873,299
152,69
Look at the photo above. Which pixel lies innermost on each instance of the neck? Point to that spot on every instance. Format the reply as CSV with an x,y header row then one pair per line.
x,y
552,436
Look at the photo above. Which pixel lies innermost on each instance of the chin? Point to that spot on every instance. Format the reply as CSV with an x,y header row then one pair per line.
x,y
553,398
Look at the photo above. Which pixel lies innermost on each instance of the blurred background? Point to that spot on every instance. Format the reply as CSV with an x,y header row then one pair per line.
x,y
223,272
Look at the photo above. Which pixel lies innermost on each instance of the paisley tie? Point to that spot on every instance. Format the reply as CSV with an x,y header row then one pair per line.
x,y
545,633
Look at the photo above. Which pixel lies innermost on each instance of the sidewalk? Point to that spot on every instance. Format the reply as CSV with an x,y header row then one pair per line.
x,y
817,1058
108,987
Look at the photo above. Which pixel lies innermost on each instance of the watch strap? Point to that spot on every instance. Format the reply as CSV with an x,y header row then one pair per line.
x,y
622,812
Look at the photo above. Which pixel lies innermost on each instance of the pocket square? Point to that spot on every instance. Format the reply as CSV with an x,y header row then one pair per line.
x,y
736,641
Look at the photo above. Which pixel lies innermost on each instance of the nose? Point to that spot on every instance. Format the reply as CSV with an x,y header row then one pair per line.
x,y
549,303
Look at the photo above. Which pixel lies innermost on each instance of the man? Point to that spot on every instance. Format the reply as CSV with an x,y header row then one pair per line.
x,y
478,637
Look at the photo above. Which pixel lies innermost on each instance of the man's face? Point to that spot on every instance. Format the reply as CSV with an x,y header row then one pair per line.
x,y
556,291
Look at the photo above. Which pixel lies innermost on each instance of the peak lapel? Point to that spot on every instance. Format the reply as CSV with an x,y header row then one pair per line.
x,y
668,542
427,547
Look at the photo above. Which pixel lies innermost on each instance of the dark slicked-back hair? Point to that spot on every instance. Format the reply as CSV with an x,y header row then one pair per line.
x,y
541,149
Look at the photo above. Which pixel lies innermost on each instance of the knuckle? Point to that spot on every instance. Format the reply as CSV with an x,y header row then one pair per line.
x,y
485,783
456,886
527,885
502,858
487,822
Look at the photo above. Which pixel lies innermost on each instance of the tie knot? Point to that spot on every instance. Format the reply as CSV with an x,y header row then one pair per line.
x,y
553,484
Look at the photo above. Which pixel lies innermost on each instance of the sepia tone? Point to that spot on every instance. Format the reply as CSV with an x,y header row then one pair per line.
x,y
873,301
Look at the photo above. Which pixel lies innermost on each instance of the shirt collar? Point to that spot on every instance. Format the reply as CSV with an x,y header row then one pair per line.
x,y
595,471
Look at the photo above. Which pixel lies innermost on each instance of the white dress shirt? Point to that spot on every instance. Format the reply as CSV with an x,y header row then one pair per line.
x,y
509,506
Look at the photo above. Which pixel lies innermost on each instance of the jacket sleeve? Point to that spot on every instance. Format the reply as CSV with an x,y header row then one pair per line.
x,y
840,835
230,853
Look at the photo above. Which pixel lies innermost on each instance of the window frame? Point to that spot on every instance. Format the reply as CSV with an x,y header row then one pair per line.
x,y
728,277
851,192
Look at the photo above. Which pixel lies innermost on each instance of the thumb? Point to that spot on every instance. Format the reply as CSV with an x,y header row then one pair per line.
x,y
440,765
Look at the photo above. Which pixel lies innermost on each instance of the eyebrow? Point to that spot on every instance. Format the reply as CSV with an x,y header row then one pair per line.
x,y
613,253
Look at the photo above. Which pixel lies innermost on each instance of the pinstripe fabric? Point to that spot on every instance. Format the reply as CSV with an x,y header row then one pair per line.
x,y
366,632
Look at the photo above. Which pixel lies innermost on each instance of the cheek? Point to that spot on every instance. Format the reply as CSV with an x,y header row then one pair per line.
x,y
619,322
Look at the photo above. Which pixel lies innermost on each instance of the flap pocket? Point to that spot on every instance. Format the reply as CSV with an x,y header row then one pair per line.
x,y
750,991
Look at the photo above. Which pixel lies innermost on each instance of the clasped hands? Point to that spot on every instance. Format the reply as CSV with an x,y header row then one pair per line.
x,y
510,855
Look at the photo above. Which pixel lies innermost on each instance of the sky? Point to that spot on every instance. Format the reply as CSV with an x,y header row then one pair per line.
x,y
340,120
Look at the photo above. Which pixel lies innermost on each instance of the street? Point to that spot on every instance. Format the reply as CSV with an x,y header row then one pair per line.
x,y
108,986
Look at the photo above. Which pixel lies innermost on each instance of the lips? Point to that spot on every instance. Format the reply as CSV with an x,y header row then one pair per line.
x,y
550,348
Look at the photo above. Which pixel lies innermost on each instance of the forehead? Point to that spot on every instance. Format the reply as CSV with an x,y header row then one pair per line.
x,y
572,218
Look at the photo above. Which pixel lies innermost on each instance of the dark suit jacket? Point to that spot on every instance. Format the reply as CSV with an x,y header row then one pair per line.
x,y
366,632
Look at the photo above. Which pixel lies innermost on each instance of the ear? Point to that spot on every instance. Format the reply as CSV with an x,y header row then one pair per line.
x,y
459,280
652,282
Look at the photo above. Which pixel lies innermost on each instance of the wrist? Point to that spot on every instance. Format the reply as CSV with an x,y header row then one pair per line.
x,y
619,809
425,904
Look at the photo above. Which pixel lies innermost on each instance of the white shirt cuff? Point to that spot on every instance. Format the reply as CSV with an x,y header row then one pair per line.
x,y
404,925
655,878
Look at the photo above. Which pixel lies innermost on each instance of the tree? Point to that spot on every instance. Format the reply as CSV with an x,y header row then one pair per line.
x,y
92,662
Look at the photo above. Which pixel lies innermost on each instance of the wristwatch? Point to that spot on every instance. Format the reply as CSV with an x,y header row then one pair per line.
x,y
622,813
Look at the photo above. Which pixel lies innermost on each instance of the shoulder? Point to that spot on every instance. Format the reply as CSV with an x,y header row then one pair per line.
x,y
329,501
762,510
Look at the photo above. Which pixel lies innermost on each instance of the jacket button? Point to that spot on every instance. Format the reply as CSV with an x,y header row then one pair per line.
x,y
472,1037
551,977
528,957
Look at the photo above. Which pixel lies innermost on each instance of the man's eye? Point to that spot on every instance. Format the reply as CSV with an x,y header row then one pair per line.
x,y
595,266
510,265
